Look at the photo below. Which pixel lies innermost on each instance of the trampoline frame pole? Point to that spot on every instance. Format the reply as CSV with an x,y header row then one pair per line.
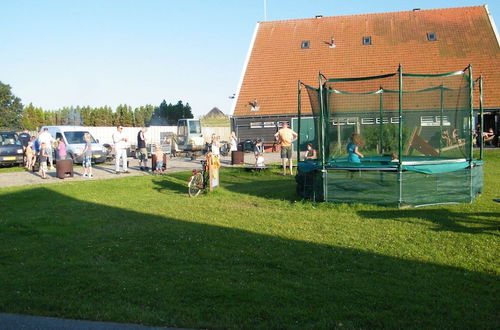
x,y
471,115
381,106
322,139
441,104
299,119
481,114
400,140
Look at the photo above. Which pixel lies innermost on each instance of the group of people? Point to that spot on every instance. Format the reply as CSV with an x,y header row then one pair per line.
x,y
120,141
44,148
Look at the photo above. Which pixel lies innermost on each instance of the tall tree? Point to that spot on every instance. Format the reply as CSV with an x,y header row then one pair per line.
x,y
32,117
11,109
124,115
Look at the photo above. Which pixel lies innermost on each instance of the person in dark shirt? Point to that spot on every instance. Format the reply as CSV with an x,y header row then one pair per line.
x,y
143,152
25,137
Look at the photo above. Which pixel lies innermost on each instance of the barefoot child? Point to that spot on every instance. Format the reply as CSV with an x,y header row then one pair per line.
x,y
159,160
87,157
29,155
43,160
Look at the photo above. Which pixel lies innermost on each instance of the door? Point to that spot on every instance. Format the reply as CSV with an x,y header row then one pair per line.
x,y
307,132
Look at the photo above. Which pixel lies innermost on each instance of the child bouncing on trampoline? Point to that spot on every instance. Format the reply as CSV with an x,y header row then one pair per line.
x,y
353,148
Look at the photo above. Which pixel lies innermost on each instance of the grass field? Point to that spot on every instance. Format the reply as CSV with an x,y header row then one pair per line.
x,y
250,255
215,122
10,169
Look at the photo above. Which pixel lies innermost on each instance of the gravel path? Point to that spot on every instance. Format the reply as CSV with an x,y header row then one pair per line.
x,y
106,171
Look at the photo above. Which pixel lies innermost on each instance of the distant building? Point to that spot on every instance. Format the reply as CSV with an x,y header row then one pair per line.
x,y
423,41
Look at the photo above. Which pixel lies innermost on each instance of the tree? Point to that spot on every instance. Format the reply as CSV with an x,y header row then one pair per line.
x,y
124,115
11,109
170,114
143,115
32,117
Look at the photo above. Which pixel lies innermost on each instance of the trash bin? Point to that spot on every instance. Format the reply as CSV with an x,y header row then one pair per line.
x,y
237,158
64,167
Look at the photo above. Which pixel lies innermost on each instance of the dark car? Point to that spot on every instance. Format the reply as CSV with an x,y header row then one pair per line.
x,y
11,149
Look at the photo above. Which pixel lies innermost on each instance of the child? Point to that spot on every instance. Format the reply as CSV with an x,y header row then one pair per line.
x,y
353,148
258,151
87,157
43,160
310,153
29,155
159,160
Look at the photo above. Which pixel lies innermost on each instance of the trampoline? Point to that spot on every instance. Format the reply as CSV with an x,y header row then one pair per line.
x,y
417,140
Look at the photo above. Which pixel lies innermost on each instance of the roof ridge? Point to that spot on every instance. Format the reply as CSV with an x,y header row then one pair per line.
x,y
371,14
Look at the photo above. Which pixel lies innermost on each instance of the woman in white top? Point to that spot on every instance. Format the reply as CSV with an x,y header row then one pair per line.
x,y
215,146
233,142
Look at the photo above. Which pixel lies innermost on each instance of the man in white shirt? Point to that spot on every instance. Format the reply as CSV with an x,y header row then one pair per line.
x,y
120,141
47,138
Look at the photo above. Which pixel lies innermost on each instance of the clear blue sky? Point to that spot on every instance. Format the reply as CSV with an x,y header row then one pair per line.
x,y
107,52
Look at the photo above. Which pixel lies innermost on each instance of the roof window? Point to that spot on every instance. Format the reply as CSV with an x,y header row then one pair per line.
x,y
431,36
367,41
305,44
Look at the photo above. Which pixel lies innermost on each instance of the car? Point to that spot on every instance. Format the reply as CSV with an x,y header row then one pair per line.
x,y
11,149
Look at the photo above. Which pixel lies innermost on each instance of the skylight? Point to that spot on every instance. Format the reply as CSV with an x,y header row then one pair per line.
x,y
367,41
431,36
305,44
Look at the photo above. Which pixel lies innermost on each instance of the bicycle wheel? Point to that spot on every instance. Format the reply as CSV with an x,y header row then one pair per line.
x,y
195,185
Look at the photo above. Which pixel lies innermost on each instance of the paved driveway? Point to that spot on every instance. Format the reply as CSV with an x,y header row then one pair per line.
x,y
106,171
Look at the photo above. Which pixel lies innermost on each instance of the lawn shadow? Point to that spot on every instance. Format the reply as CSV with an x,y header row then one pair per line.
x,y
100,262
442,219
269,184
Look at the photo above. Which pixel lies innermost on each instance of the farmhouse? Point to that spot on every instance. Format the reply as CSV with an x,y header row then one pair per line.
x,y
422,41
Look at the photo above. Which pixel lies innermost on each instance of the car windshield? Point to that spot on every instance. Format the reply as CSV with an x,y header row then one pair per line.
x,y
194,127
7,139
77,137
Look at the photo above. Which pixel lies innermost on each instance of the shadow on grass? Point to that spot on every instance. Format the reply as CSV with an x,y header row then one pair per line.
x,y
442,219
70,258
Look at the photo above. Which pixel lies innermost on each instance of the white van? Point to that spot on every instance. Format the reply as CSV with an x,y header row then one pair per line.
x,y
73,137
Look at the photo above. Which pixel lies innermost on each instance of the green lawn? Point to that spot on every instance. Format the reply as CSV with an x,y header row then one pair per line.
x,y
10,169
250,255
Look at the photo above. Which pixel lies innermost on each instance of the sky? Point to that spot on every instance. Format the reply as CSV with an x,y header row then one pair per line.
x,y
94,52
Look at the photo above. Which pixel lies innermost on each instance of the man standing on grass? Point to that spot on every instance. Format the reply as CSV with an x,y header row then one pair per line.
x,y
286,136
120,141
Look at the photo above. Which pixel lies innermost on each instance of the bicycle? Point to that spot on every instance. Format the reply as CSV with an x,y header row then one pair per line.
x,y
199,180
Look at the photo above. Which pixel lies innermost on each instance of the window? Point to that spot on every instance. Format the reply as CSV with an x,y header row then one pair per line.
x,y
194,127
9,139
431,36
367,41
256,124
77,137
305,44
269,124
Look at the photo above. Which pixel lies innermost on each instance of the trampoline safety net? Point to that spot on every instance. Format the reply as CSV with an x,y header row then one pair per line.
x,y
416,133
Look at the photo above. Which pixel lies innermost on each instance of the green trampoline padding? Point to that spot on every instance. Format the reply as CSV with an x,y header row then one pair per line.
x,y
424,165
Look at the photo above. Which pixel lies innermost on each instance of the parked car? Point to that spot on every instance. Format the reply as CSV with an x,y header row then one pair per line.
x,y
11,149
73,137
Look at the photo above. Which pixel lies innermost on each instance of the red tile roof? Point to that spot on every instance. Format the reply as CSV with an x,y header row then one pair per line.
x,y
464,35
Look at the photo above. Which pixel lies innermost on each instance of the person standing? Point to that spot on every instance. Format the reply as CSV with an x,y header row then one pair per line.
x,y
143,152
233,142
120,141
43,160
61,149
87,157
46,137
25,137
286,136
